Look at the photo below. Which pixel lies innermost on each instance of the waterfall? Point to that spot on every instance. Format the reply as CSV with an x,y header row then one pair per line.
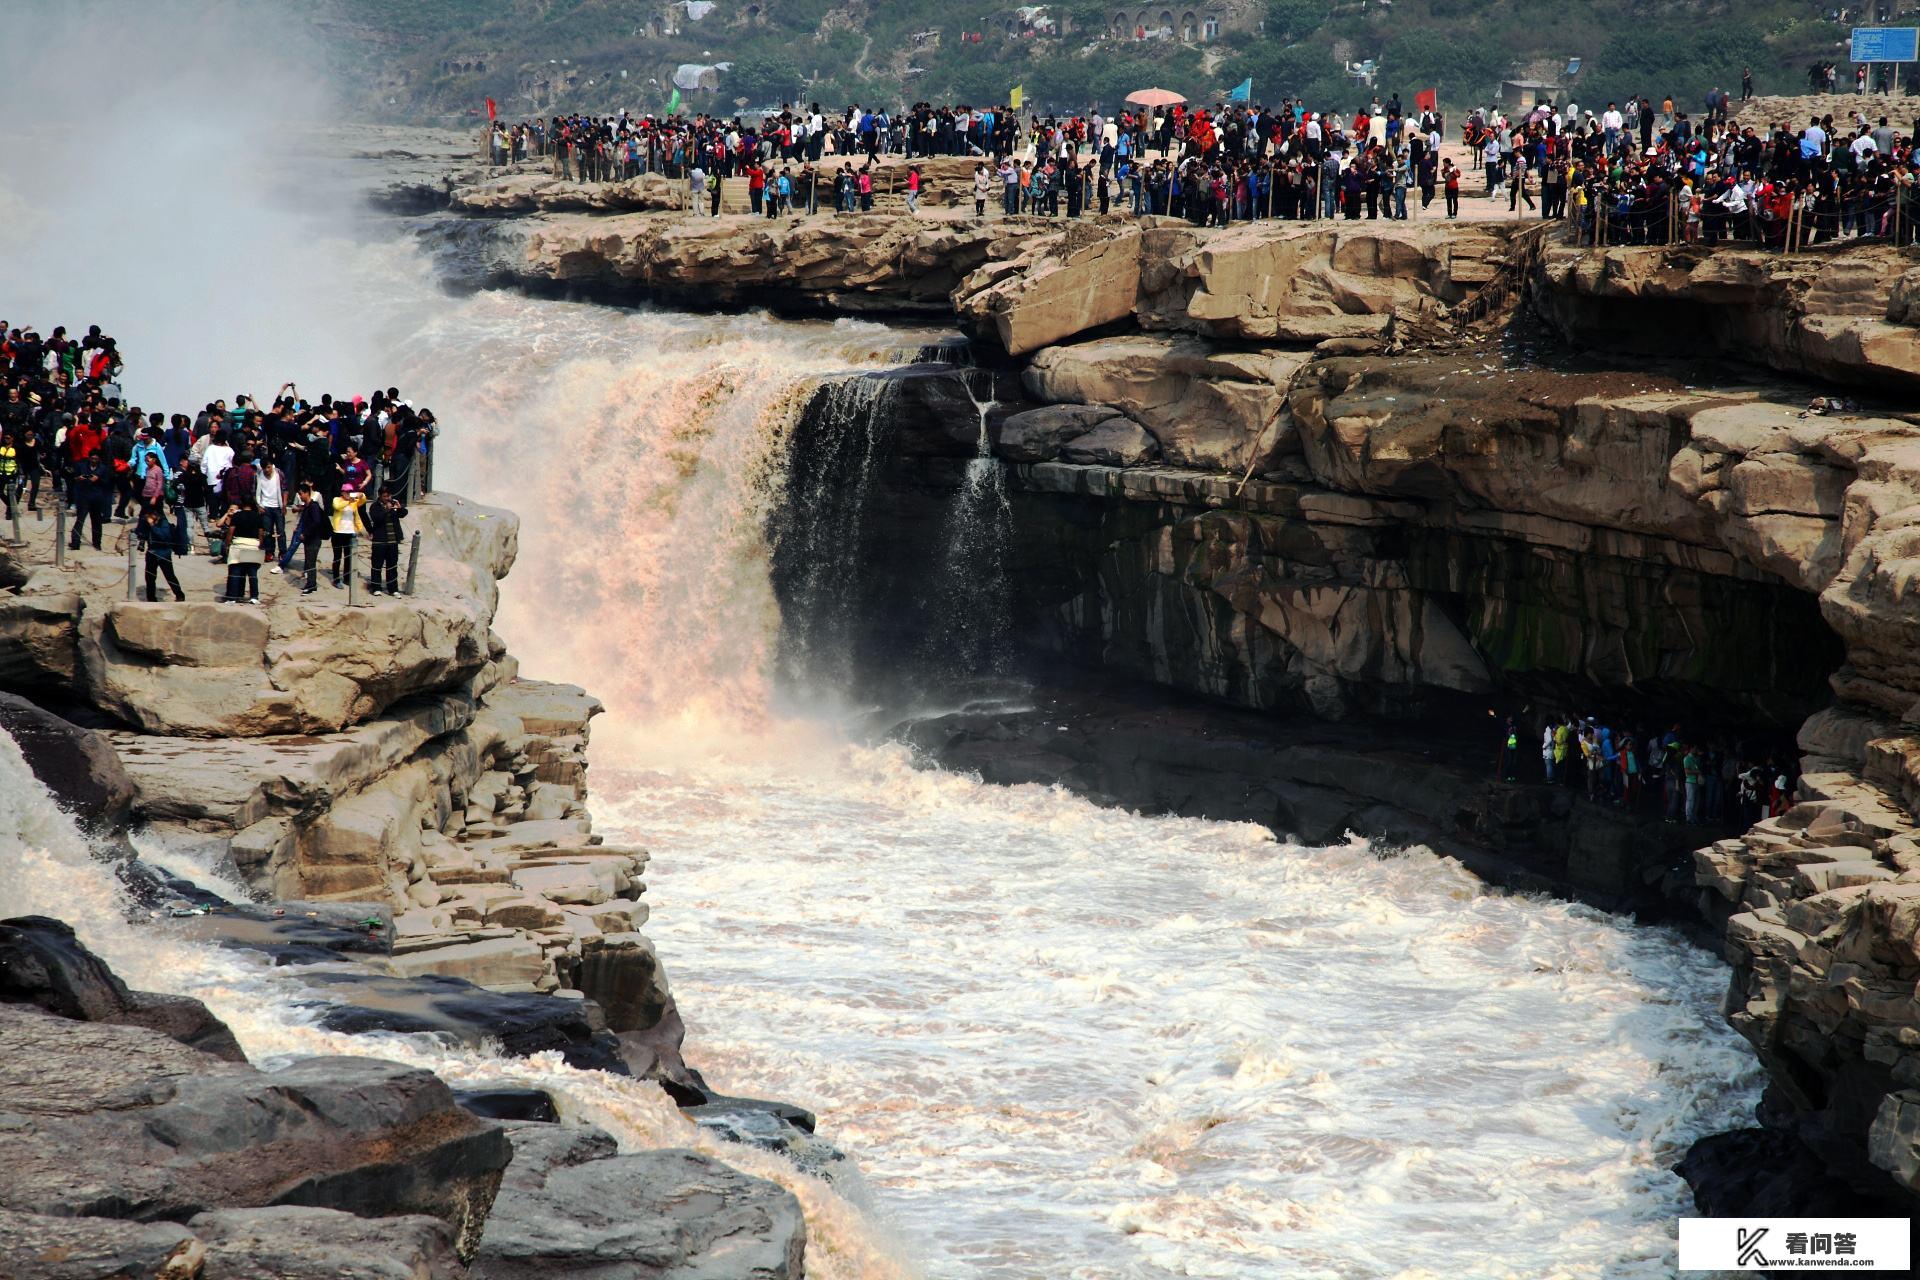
x,y
818,535
969,601
648,459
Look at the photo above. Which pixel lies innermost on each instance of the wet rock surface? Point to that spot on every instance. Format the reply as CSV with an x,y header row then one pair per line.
x,y
144,1128
508,1102
42,964
522,1024
1769,1173
571,1204
78,765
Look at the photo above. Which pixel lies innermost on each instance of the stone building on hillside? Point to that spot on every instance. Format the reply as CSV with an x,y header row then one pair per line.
x,y
1541,80
1188,23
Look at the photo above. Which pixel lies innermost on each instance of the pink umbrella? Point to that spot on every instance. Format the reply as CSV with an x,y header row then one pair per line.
x,y
1155,97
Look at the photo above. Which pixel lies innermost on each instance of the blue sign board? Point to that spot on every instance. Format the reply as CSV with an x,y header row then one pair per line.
x,y
1885,44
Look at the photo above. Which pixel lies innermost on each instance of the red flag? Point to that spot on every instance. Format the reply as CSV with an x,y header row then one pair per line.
x,y
493,108
1427,100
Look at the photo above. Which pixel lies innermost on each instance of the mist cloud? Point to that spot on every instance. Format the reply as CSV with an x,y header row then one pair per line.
x,y
152,183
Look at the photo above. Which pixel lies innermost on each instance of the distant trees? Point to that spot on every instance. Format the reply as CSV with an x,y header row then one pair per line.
x,y
762,77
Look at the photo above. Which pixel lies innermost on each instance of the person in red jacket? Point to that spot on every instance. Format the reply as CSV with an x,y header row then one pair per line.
x,y
84,440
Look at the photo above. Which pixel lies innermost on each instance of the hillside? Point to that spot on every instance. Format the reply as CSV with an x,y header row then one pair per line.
x,y
439,59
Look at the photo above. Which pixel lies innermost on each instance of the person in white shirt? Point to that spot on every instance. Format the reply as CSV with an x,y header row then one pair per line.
x,y
215,462
269,494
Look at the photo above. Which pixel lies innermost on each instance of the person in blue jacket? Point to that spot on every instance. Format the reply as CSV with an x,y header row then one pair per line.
x,y
163,539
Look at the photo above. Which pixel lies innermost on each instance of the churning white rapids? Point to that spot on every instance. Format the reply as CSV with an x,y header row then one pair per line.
x,y
1060,1041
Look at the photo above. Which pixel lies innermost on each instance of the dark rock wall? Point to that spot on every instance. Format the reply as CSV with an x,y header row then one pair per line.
x,y
1272,595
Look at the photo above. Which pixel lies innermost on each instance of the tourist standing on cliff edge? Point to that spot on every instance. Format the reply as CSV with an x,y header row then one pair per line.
x,y
163,539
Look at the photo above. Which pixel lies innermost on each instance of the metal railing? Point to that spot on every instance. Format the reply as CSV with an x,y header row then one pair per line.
x,y
413,484
1806,225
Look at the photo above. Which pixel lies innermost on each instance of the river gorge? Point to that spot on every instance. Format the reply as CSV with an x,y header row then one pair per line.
x,y
1049,677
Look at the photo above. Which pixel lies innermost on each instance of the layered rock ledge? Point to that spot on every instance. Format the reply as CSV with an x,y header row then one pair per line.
x,y
411,817
1026,281
133,1151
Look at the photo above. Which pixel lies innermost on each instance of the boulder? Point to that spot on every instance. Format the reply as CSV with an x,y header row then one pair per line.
x,y
40,1247
39,639
771,1126
622,973
459,1012
1252,282
1060,285
1037,435
43,964
1117,442
654,1054
570,1205
117,1121
1205,408
298,1243
78,766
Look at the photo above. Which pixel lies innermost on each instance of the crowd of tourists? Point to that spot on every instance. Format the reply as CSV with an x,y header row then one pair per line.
x,y
1681,776
1633,172
1649,173
1231,163
246,484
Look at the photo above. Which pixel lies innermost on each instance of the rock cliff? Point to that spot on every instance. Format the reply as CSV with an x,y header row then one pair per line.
x,y
1849,316
413,818
1405,538
1335,471
1027,282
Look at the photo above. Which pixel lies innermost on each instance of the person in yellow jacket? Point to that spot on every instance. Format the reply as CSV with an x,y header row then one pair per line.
x,y
11,473
346,523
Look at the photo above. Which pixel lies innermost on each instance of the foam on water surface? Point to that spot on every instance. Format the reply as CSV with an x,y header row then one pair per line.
x,y
1073,1041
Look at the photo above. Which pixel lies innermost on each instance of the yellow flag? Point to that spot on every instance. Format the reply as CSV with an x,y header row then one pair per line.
x,y
1018,96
